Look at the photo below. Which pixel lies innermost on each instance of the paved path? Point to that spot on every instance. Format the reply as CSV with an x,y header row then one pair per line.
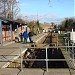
x,y
37,71
8,51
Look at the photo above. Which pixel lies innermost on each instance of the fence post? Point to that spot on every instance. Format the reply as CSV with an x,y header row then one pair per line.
x,y
68,46
57,40
46,60
73,52
21,58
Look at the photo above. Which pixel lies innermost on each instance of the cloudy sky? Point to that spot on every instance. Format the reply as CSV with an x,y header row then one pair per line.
x,y
46,10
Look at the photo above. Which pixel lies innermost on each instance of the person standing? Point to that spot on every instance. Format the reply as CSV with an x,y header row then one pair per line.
x,y
21,37
30,36
25,35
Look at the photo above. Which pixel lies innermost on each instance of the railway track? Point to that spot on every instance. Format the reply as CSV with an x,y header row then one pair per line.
x,y
41,54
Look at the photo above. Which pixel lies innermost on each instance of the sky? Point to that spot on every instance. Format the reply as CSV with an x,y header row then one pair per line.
x,y
46,10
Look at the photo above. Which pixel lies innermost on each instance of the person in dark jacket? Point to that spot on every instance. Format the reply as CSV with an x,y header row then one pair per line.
x,y
25,35
30,36
21,37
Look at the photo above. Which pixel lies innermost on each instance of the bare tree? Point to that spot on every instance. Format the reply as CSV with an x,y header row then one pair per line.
x,y
12,9
8,8
3,8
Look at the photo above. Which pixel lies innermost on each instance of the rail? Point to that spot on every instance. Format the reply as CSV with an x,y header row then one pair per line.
x,y
9,54
19,54
70,49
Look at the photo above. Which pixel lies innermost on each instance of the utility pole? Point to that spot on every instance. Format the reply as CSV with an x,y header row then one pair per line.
x,y
26,19
37,17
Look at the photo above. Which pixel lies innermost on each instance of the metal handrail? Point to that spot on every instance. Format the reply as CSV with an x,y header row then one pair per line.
x,y
6,57
25,47
46,55
49,47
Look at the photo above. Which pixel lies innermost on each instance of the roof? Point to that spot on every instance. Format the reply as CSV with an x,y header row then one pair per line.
x,y
7,21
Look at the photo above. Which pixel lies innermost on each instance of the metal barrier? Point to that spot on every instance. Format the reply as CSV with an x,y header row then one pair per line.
x,y
19,54
70,49
9,54
47,55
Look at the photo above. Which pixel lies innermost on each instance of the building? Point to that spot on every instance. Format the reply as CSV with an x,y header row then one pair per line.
x,y
9,29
